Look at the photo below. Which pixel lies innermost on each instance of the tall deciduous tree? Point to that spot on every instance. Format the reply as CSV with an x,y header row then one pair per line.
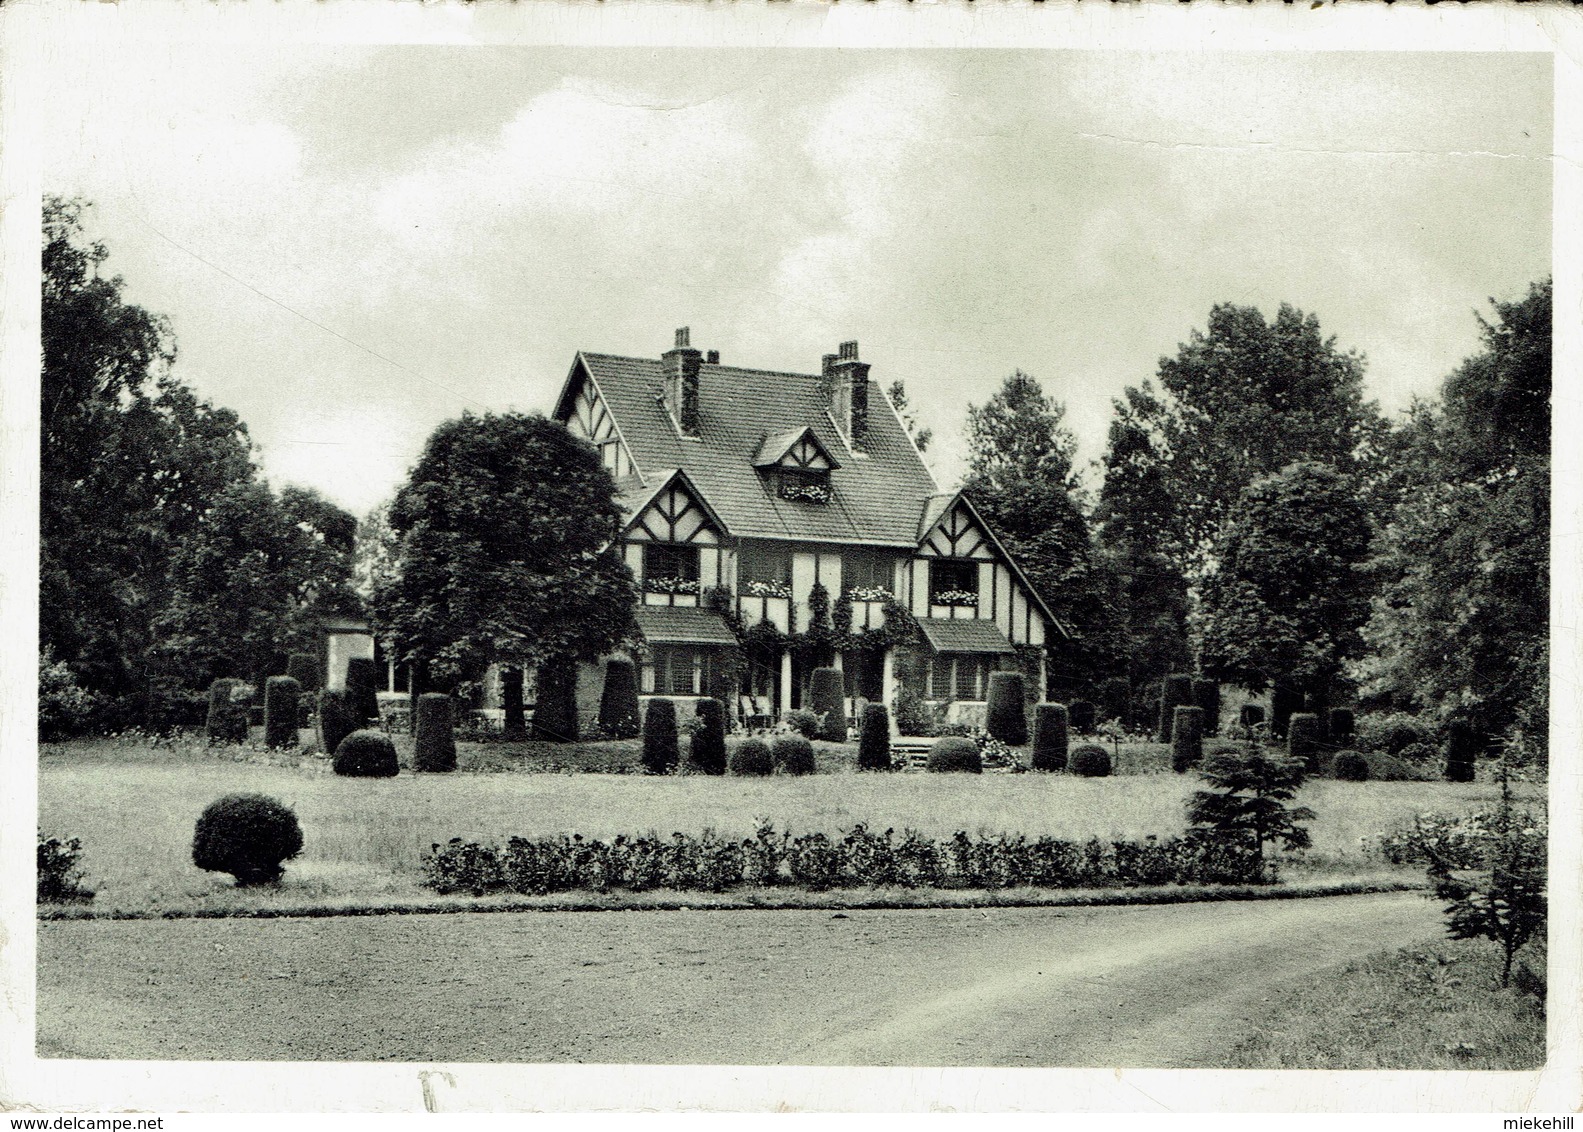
x,y
507,531
1461,622
1285,599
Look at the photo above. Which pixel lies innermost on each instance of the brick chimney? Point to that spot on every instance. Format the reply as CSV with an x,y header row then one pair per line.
x,y
845,380
681,364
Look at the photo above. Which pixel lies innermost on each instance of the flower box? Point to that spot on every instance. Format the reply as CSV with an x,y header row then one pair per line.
x,y
955,597
670,585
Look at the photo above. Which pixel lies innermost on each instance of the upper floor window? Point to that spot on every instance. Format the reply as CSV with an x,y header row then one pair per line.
x,y
670,568
866,572
764,571
804,486
610,457
953,581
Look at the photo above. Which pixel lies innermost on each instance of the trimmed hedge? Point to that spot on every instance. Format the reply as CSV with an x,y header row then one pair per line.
x,y
706,754
1090,761
1251,715
1343,725
1283,703
792,754
555,703
1462,748
1349,766
1115,699
660,754
827,698
281,714
955,755
514,724
1080,713
336,720
366,754
752,757
362,682
1187,739
1050,736
1302,739
619,716
435,748
873,745
803,721
303,667
247,835
1006,714
227,719
1176,691
1206,695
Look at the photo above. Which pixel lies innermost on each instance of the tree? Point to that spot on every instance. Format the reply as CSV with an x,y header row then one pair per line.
x,y
508,552
1285,600
1248,805
909,416
1020,476
1461,621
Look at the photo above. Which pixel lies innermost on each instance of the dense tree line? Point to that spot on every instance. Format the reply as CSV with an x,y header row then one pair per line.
x,y
164,560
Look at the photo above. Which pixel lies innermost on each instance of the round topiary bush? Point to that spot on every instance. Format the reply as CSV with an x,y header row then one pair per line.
x,y
804,722
366,754
1176,691
1187,739
706,753
1302,739
247,835
827,698
955,755
618,702
1091,762
873,745
435,747
793,754
1006,715
1251,715
1343,724
1206,695
1050,736
1349,766
362,683
659,737
752,757
281,715
227,719
336,720
1080,714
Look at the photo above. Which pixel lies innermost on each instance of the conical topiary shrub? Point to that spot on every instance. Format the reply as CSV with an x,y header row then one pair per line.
x,y
1284,702
752,757
1250,715
827,700
1080,714
1006,715
280,712
873,748
1462,748
618,703
1302,739
1176,691
227,719
514,711
1206,695
435,747
1050,737
706,753
362,684
1187,738
336,721
555,707
366,754
659,737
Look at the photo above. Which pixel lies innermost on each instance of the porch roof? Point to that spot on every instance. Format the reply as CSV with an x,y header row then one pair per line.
x,y
965,634
678,625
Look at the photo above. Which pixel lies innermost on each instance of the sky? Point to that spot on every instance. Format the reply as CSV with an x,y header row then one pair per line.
x,y
355,243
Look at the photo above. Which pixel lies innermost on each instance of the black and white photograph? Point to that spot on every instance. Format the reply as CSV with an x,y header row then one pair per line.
x,y
789,550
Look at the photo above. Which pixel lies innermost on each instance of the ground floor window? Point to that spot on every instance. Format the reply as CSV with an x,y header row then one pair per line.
x,y
680,670
960,675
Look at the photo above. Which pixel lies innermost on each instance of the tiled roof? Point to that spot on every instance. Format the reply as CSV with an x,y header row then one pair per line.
x,y
964,634
876,495
677,625
774,447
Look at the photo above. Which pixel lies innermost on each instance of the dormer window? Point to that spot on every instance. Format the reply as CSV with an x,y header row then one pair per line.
x,y
797,465
804,486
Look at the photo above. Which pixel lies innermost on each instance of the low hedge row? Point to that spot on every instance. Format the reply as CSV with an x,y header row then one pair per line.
x,y
814,861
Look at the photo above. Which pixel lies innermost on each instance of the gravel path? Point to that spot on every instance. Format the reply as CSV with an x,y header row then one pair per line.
x,y
1164,986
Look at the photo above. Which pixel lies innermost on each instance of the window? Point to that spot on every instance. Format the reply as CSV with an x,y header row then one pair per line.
x,y
670,568
765,565
676,670
804,485
610,457
953,581
865,570
960,676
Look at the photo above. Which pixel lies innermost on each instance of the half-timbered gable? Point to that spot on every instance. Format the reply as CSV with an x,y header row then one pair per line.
x,y
589,416
674,543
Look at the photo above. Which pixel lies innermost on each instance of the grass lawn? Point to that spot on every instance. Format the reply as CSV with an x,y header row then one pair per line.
x,y
134,807
1438,1006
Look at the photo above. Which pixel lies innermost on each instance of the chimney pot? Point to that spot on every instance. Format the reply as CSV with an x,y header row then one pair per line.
x,y
849,351
713,357
683,337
